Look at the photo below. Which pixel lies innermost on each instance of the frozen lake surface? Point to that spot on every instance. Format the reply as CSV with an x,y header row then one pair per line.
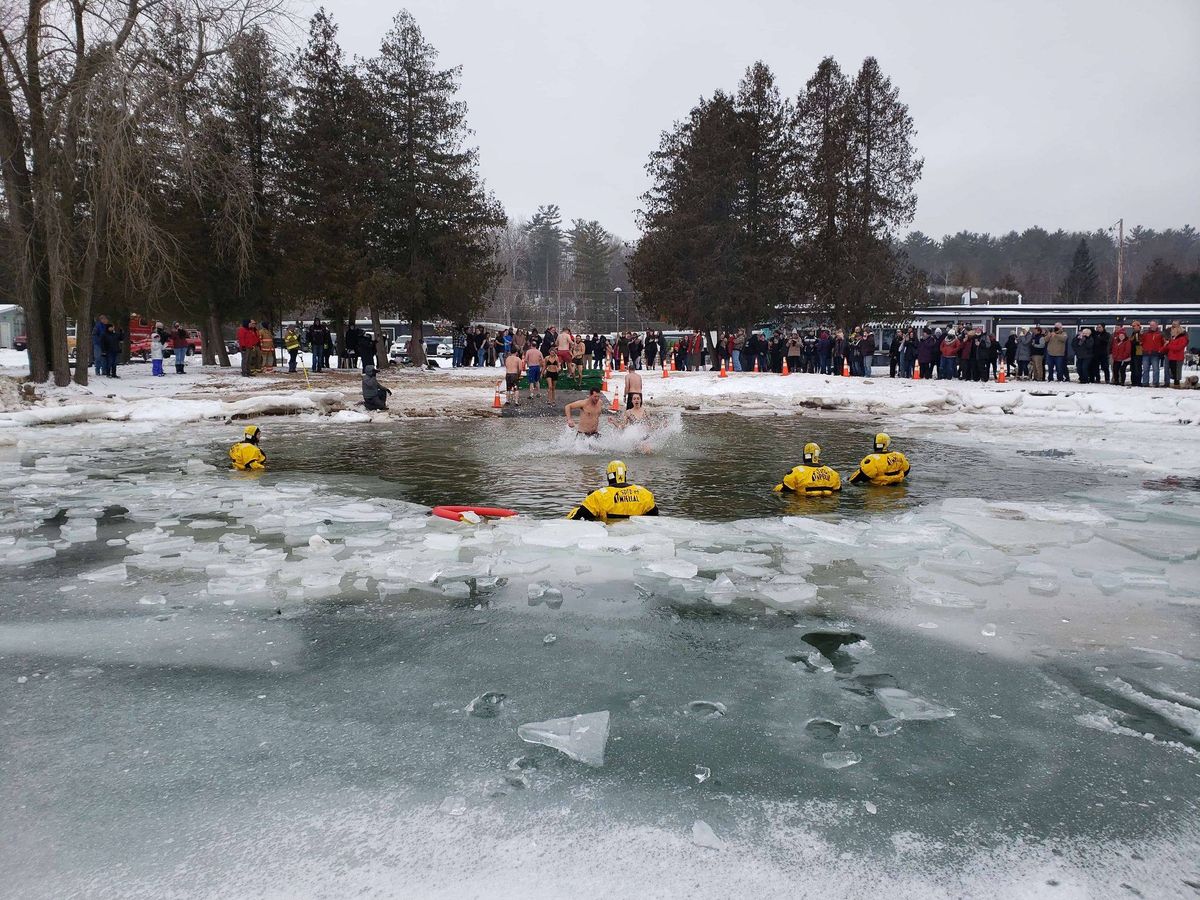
x,y
985,683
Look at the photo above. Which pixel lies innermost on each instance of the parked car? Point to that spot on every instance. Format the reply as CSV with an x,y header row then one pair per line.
x,y
140,346
21,342
434,346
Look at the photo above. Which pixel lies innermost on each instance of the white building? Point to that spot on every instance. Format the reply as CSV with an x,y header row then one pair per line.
x,y
12,324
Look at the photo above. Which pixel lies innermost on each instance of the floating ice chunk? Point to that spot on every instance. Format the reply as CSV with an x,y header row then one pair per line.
x,y
840,759
441,541
550,639
707,709
109,574
351,512
472,517
702,774
540,592
722,591
823,729
989,630
783,595
870,807
22,554
457,590
319,544
582,737
901,704
485,705
675,568
1045,587
1108,583
453,806
704,836
153,600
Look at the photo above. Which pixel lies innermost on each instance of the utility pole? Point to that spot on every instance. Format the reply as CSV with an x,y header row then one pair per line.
x,y
1120,256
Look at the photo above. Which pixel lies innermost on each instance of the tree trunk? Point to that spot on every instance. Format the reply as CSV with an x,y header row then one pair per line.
x,y
416,343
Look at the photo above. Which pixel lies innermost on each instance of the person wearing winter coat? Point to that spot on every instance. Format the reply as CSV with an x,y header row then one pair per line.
x,y
894,354
1037,354
984,355
110,349
1056,354
319,341
1122,350
1154,347
374,394
966,356
156,355
366,349
353,338
927,353
266,347
179,345
1176,350
949,356
1084,347
1102,349
1024,352
825,351
291,343
838,349
1010,352
98,331
247,339
908,354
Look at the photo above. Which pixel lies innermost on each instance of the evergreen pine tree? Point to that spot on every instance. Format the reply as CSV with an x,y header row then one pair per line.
x,y
592,251
686,265
1081,284
431,225
546,245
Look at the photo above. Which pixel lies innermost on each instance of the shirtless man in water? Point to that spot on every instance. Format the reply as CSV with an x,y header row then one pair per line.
x,y
633,387
589,413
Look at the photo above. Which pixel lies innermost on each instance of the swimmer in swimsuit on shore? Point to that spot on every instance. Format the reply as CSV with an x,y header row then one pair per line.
x,y
589,413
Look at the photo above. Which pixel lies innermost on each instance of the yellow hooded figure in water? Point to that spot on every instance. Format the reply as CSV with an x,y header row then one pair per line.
x,y
618,500
884,466
246,455
812,478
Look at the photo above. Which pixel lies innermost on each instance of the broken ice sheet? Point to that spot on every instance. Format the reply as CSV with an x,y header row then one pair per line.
x,y
702,773
453,806
704,836
706,709
901,704
582,737
840,759
485,705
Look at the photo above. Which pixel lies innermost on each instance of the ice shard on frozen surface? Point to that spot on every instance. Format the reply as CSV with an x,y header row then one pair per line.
x,y
901,704
582,737
704,836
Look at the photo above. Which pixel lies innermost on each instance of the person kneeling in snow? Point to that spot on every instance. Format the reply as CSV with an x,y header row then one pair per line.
x,y
812,477
374,394
246,455
882,466
617,501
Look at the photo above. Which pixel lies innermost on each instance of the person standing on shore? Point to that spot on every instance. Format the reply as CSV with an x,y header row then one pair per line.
x,y
291,343
247,339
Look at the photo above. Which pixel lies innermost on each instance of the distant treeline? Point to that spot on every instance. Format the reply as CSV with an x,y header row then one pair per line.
x,y
1161,266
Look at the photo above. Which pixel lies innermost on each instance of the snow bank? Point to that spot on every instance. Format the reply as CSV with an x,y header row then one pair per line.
x,y
898,397
177,410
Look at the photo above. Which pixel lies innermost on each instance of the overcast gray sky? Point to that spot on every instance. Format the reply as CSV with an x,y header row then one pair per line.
x,y
1060,114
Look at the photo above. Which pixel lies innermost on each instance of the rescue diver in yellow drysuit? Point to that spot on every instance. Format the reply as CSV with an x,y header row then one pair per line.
x,y
246,455
883,466
618,500
812,478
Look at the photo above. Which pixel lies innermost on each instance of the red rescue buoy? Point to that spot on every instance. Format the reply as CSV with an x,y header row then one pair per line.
x,y
455,513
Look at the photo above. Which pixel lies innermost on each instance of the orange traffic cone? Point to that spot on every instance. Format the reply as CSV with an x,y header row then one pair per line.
x,y
604,385
665,375
496,399
846,368
1002,375
622,364
673,364
723,373
615,404
917,372
756,365
785,368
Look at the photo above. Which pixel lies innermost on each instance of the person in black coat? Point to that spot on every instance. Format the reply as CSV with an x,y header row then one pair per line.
x,y
374,394
894,354
1084,347
1102,350
365,349
110,343
1010,352
352,343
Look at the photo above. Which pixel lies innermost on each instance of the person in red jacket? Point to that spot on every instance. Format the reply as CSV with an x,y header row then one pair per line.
x,y
1122,350
1176,349
966,348
949,350
1153,349
247,339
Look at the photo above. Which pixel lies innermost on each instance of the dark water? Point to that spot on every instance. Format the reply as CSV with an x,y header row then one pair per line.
x,y
711,468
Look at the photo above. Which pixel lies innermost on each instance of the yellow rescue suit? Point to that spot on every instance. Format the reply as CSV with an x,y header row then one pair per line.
x,y
619,502
820,480
881,468
247,457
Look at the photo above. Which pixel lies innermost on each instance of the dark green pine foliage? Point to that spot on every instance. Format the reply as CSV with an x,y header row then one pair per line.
x,y
1164,283
1081,284
431,224
767,204
547,244
592,250
686,265
321,224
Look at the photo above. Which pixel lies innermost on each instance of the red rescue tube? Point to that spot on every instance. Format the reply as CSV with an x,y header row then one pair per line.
x,y
454,513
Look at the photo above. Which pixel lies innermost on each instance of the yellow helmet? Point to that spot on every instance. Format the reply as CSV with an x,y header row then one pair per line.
x,y
882,442
250,433
616,472
812,454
